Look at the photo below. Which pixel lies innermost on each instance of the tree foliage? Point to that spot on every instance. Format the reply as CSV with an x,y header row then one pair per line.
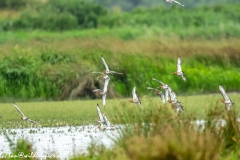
x,y
58,15
13,4
127,5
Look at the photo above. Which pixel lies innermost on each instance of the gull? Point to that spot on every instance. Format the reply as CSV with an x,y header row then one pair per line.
x,y
158,92
23,116
170,1
179,71
135,98
228,102
107,71
103,92
164,86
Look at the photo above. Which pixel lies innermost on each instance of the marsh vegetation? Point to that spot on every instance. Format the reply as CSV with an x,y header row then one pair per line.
x,y
48,48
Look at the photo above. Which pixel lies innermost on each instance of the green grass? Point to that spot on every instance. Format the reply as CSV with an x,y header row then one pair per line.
x,y
38,65
83,112
143,44
48,70
156,129
207,22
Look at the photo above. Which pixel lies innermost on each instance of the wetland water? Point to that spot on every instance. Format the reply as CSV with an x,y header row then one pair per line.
x,y
65,142
62,141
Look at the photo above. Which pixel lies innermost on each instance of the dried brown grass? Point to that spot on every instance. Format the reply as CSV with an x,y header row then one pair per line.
x,y
173,144
165,137
9,14
163,46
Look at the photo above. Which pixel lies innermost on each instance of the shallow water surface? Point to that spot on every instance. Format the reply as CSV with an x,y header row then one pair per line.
x,y
63,141
68,141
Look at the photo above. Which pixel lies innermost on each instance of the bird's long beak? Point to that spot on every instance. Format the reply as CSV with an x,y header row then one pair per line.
x,y
174,73
160,86
131,100
222,101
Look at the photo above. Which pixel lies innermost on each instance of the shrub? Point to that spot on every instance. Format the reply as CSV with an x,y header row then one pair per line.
x,y
87,12
20,77
45,21
59,15
13,4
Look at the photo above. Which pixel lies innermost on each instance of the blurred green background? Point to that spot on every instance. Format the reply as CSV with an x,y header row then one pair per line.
x,y
48,47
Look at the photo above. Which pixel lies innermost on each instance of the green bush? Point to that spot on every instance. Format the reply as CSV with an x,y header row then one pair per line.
x,y
58,15
55,58
45,21
20,77
86,12
176,17
13,4
218,21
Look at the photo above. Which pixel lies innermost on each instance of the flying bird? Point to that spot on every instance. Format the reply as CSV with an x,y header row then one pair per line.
x,y
102,76
175,103
173,97
228,102
166,87
103,92
178,107
179,71
107,71
135,98
23,116
100,116
170,1
107,123
159,93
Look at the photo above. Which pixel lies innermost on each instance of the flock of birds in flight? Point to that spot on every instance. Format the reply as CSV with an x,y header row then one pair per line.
x,y
169,95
